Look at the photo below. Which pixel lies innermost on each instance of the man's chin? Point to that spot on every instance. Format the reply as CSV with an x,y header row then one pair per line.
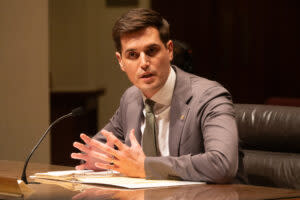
x,y
149,90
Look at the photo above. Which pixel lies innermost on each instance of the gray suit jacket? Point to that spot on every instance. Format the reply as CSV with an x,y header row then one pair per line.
x,y
203,138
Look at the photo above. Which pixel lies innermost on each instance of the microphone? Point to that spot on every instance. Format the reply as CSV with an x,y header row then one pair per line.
x,y
75,112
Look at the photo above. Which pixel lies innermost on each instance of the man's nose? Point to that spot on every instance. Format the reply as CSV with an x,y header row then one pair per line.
x,y
144,61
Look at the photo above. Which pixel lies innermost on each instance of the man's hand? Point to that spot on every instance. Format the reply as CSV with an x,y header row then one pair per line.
x,y
126,160
86,155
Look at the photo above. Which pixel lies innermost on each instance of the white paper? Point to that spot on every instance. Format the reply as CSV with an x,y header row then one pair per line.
x,y
112,178
135,183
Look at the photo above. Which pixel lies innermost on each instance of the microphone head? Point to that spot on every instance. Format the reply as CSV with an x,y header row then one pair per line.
x,y
78,111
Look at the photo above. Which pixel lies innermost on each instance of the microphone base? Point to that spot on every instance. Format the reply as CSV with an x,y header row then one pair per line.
x,y
33,182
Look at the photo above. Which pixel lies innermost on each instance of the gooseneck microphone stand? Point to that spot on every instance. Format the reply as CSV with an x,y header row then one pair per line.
x,y
75,112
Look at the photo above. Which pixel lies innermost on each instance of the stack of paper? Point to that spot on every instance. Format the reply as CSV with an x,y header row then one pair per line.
x,y
108,178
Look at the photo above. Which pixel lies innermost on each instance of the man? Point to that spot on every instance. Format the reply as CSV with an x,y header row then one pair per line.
x,y
191,135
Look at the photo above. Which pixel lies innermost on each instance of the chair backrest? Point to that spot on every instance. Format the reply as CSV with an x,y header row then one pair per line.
x,y
270,139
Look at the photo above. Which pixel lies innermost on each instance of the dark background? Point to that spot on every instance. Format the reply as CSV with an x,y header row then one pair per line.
x,y
249,46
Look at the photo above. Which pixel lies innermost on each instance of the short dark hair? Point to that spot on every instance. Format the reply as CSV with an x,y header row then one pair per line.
x,y
138,19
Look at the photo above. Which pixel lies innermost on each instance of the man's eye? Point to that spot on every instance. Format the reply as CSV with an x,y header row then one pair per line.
x,y
132,54
151,51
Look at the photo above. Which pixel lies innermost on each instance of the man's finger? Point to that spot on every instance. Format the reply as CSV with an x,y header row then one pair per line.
x,y
91,142
80,167
106,166
85,138
108,142
133,139
113,140
100,156
81,147
79,156
103,147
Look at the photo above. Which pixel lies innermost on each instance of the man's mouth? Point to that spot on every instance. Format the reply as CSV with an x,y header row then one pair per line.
x,y
146,75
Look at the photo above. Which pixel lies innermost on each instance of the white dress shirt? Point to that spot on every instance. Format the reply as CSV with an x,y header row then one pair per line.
x,y
162,112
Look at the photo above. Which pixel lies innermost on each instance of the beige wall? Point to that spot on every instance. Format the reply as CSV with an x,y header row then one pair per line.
x,y
81,57
82,51
24,91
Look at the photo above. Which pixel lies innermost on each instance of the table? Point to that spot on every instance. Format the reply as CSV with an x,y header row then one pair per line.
x,y
63,190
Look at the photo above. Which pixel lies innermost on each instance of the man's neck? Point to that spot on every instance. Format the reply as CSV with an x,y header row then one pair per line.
x,y
164,95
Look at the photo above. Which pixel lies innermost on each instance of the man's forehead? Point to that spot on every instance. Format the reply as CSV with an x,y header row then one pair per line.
x,y
141,39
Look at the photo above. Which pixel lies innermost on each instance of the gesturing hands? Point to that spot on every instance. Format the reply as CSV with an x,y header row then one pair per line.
x,y
126,160
87,156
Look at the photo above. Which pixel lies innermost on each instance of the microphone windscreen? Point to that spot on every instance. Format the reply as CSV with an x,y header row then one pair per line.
x,y
78,111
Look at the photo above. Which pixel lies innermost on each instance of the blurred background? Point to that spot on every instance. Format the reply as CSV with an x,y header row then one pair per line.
x,y
56,55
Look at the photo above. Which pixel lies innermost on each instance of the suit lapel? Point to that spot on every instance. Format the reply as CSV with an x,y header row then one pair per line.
x,y
179,110
134,115
178,113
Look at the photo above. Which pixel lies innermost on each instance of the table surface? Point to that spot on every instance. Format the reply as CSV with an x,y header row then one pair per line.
x,y
64,190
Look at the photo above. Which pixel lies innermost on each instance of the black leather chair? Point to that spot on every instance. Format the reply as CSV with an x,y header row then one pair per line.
x,y
270,140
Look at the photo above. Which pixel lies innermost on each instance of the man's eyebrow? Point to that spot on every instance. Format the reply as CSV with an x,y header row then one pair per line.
x,y
148,46
128,50
152,45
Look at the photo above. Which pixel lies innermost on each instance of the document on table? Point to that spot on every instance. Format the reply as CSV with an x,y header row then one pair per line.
x,y
108,178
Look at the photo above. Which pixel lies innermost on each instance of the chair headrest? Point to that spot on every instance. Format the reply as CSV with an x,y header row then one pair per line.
x,y
267,127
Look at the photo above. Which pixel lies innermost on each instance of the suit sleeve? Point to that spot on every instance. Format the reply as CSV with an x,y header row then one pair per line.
x,y
219,161
114,126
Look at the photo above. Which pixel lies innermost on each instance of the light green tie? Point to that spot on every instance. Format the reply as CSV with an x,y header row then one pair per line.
x,y
149,139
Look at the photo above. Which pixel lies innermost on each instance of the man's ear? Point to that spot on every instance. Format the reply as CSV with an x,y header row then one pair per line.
x,y
119,57
170,49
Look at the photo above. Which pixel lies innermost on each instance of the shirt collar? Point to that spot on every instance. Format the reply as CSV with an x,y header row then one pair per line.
x,y
164,95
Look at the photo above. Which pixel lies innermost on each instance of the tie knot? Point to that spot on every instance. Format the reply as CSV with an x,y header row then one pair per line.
x,y
149,104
